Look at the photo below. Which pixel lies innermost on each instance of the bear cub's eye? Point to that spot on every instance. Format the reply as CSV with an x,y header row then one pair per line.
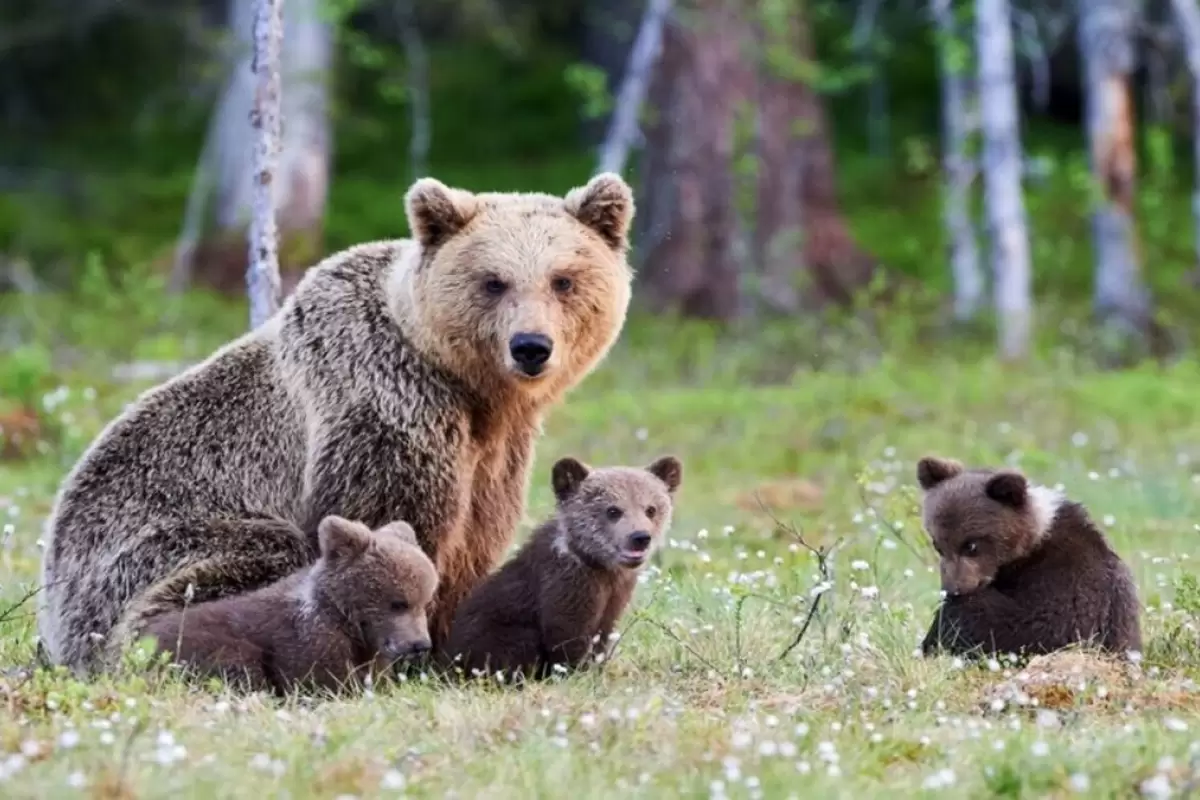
x,y
650,512
494,287
613,513
399,606
970,549
562,284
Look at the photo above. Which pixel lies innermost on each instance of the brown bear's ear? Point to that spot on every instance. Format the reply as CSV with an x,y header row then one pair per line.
x,y
932,470
1008,488
436,212
669,470
402,531
605,205
342,539
566,476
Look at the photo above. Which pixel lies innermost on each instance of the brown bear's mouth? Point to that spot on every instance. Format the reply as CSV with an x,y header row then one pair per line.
x,y
633,558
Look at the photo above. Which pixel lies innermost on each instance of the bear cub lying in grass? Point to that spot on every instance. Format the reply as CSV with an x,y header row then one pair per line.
x,y
361,606
555,603
1024,569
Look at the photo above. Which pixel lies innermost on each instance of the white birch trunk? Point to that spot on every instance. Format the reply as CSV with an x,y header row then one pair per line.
x,y
262,275
623,128
959,171
418,89
1106,42
1002,165
1188,14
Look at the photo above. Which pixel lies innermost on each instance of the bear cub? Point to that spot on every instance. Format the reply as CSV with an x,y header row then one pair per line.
x,y
1024,569
556,602
362,605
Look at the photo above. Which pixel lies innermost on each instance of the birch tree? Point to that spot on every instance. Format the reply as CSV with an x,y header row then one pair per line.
x,y
262,275
958,167
1106,43
1188,14
623,128
1008,238
224,182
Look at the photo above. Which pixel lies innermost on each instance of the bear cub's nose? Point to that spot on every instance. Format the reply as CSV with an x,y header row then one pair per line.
x,y
639,541
531,351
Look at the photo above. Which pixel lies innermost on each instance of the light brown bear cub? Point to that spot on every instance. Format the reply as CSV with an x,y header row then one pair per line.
x,y
558,600
1024,569
362,605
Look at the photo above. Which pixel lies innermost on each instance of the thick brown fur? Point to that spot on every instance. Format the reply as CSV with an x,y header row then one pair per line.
x,y
387,387
361,607
1024,569
555,603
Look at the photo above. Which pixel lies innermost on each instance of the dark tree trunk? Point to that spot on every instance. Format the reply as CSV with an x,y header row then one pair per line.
x,y
809,257
689,230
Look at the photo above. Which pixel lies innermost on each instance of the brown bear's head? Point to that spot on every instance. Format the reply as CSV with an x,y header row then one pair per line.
x,y
523,292
381,583
981,519
615,516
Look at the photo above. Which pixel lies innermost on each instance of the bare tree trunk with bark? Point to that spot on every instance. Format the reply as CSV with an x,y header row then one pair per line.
x,y
1002,164
623,127
418,88
262,276
811,258
1106,43
225,176
1188,14
688,224
958,167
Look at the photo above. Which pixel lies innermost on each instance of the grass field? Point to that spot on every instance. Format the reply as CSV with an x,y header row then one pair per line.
x,y
697,700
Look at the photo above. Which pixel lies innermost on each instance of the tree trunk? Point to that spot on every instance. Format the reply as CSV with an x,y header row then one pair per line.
x,y
623,127
801,229
958,167
301,180
1106,42
1188,14
1002,162
688,226
262,276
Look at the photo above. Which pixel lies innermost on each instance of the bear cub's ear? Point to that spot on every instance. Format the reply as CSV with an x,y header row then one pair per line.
x,y
669,470
436,212
932,470
566,476
340,539
1009,488
402,531
605,205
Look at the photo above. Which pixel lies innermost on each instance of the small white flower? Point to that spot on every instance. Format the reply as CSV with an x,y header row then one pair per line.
x,y
1079,782
77,780
1175,724
68,739
1158,786
870,592
1040,749
859,565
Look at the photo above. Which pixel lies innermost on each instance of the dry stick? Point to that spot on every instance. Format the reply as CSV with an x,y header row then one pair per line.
x,y
262,275
9,614
822,555
639,616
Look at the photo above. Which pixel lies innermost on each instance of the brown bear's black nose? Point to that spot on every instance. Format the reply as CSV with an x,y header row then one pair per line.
x,y
639,541
531,351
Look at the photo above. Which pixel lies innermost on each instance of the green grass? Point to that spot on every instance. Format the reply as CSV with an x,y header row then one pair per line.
x,y
696,696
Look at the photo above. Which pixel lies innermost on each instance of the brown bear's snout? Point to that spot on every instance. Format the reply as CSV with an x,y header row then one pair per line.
x,y
403,648
530,352
638,541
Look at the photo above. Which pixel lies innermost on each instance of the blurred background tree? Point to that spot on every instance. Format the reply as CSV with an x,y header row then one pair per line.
x,y
792,157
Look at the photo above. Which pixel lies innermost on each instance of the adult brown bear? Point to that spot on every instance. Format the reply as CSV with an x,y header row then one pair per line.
x,y
403,380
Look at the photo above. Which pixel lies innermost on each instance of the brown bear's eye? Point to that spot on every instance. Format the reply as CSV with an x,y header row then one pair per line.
x,y
562,284
613,513
970,548
494,287
399,606
650,512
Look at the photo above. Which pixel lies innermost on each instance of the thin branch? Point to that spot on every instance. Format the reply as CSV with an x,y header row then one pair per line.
x,y
823,555
10,613
640,616
893,528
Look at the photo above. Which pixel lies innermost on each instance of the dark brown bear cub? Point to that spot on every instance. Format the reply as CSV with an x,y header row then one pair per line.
x,y
555,603
362,605
1024,569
